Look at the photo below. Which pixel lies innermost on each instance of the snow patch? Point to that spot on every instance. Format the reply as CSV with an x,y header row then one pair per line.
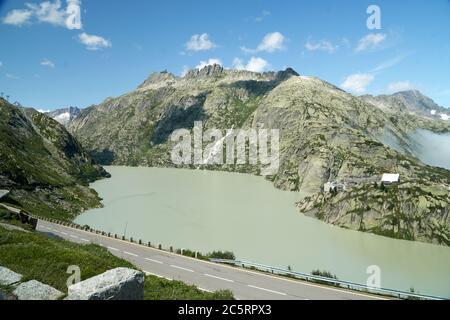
x,y
63,118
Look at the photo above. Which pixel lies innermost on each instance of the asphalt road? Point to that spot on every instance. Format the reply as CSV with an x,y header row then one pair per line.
x,y
245,284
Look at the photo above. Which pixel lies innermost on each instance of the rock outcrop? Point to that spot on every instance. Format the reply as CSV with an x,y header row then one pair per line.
x,y
35,290
9,277
116,284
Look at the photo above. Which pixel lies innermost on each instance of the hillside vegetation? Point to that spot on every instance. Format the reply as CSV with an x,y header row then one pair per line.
x,y
43,165
47,260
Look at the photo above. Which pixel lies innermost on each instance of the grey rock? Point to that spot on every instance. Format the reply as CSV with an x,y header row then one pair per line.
x,y
208,71
116,284
3,193
35,290
9,277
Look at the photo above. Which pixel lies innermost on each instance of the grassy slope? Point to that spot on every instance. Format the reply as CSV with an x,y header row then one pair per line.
x,y
43,166
45,259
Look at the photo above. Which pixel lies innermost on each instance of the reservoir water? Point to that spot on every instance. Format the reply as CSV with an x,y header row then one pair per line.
x,y
206,211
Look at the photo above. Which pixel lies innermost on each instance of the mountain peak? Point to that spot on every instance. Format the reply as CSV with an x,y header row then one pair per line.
x,y
412,92
213,70
158,79
287,73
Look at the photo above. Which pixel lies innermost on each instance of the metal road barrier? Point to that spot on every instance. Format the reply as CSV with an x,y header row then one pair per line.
x,y
270,269
330,281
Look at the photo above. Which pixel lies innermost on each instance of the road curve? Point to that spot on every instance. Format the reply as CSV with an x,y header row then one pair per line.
x,y
245,284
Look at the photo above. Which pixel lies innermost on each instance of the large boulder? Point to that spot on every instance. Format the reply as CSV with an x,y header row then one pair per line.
x,y
8,277
115,284
35,290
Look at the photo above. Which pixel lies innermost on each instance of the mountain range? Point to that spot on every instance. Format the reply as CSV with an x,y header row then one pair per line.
x,y
412,101
326,136
65,115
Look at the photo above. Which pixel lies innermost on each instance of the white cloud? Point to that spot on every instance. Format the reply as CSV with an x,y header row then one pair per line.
x,y
388,64
271,42
370,41
42,111
1,64
210,62
17,17
322,45
48,12
358,82
401,86
255,64
47,63
200,42
93,42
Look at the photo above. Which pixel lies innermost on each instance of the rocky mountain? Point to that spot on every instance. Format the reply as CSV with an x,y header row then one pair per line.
x,y
413,102
326,135
43,165
64,116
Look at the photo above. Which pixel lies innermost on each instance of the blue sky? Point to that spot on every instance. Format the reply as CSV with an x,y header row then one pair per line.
x,y
47,62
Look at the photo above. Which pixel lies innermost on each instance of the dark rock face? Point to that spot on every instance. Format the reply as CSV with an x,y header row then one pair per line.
x,y
181,116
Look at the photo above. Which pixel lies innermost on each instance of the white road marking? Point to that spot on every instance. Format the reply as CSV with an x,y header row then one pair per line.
x,y
155,261
157,275
271,291
131,254
113,249
73,236
223,279
181,268
205,290
64,233
278,278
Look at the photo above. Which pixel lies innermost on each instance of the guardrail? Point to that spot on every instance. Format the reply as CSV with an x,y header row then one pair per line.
x,y
104,233
261,267
330,281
